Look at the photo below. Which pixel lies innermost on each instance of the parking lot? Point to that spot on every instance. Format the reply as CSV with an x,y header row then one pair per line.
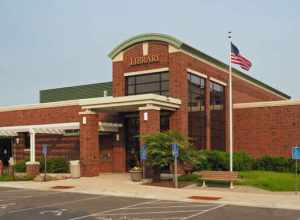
x,y
20,204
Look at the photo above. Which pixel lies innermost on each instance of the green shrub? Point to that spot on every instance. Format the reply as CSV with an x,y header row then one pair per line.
x,y
242,161
269,163
20,166
217,160
194,157
55,165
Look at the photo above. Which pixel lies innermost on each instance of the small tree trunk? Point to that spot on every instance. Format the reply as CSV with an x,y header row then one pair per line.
x,y
156,173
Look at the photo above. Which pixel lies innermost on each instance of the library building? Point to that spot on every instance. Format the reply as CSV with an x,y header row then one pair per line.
x,y
158,83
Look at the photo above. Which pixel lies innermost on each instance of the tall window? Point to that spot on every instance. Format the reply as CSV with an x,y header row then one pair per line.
x,y
196,108
217,109
157,83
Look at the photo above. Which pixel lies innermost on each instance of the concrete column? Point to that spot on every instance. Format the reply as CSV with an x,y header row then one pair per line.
x,y
207,113
89,144
32,167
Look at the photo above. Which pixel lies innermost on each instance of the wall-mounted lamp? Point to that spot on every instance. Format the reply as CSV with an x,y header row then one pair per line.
x,y
17,140
117,137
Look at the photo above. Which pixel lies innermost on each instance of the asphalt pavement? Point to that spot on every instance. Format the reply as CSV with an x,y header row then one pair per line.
x,y
20,204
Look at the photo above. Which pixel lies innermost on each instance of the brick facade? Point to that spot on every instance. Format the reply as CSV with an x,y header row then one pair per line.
x,y
271,130
267,130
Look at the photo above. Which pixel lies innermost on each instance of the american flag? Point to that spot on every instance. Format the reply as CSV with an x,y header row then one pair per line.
x,y
237,58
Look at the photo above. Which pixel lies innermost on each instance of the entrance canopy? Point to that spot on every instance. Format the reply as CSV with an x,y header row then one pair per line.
x,y
130,103
58,128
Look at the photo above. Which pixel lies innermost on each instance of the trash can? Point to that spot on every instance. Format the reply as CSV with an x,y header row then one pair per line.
x,y
75,168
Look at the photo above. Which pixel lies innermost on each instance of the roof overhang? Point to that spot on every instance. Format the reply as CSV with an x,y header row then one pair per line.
x,y
58,128
130,103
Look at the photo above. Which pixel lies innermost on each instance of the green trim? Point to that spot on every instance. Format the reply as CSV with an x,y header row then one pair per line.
x,y
185,47
142,38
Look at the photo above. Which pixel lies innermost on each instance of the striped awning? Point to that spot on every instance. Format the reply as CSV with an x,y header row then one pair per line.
x,y
58,128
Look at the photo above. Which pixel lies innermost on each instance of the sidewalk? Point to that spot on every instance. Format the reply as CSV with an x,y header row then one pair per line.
x,y
120,185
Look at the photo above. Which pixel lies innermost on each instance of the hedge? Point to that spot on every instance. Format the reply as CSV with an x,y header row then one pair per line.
x,y
219,160
54,165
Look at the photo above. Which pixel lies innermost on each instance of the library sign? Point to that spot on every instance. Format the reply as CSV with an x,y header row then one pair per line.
x,y
144,60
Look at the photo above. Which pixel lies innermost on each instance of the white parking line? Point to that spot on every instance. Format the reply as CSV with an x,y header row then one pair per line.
x,y
204,211
54,204
111,210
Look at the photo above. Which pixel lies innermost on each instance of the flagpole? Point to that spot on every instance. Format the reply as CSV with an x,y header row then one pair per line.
x,y
230,111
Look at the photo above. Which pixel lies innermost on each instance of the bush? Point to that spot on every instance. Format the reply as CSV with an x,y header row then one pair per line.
x,y
217,160
269,163
55,165
20,166
242,161
194,157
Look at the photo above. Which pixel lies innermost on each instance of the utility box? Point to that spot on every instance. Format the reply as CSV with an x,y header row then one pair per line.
x,y
75,168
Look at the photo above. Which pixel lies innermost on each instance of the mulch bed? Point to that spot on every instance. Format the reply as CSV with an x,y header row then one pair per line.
x,y
168,183
205,197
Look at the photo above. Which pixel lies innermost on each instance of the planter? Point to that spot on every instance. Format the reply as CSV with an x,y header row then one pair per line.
x,y
136,175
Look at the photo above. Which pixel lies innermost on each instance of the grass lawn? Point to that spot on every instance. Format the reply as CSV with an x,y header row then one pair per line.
x,y
273,181
268,180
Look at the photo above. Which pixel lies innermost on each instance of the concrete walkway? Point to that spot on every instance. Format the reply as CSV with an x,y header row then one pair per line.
x,y
121,185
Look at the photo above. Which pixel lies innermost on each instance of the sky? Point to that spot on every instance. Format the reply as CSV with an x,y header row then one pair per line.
x,y
55,43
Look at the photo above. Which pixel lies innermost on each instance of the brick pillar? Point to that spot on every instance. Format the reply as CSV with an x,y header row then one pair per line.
x,y
119,152
89,144
149,124
149,119
179,89
207,112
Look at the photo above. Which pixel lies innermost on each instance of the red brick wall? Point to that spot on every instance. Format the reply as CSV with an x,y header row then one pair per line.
x,y
267,131
152,125
89,145
40,116
58,146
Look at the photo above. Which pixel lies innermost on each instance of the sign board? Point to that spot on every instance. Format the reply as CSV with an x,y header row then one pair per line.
x,y
296,153
143,152
175,150
44,149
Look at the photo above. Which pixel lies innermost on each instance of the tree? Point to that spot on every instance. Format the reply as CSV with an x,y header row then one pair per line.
x,y
159,153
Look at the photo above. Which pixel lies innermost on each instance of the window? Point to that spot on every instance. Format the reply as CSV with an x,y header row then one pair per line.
x,y
196,108
216,96
157,83
217,110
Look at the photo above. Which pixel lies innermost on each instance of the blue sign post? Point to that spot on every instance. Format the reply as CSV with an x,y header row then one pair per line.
x,y
296,156
143,157
45,152
143,152
175,153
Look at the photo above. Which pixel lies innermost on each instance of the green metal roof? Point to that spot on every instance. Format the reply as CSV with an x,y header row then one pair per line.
x,y
76,92
185,47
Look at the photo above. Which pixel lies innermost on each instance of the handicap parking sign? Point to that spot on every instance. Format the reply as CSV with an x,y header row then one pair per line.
x,y
175,150
143,152
296,153
44,149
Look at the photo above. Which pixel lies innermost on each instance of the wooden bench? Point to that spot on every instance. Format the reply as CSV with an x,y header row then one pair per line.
x,y
218,176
